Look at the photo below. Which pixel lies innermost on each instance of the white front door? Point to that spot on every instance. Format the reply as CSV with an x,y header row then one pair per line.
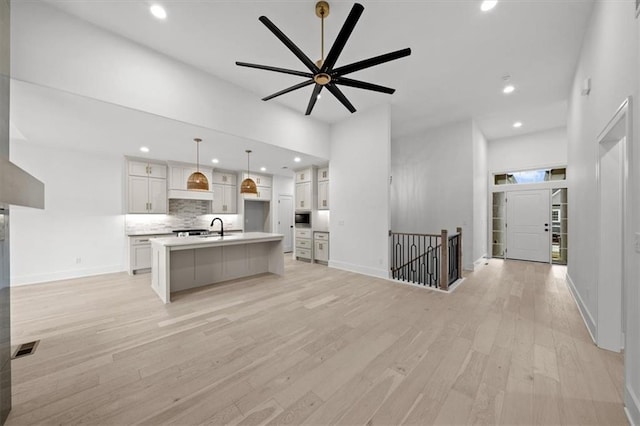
x,y
285,221
528,230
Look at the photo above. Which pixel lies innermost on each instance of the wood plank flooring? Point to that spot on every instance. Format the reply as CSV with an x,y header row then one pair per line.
x,y
317,346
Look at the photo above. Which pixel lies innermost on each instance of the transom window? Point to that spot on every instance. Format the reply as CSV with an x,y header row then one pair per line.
x,y
530,176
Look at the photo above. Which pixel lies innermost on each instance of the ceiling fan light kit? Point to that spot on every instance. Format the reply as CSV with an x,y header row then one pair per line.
x,y
323,72
197,181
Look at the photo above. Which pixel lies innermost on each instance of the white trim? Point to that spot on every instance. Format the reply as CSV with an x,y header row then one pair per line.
x,y
364,270
631,406
481,261
622,115
65,275
452,287
582,308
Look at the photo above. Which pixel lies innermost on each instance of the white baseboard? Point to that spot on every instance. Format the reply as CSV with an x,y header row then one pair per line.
x,y
582,308
364,270
482,260
631,406
65,275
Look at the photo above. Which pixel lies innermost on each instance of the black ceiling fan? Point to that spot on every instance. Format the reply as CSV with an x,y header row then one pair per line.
x,y
322,72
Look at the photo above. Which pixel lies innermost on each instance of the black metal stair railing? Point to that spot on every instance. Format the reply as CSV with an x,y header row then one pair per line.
x,y
422,258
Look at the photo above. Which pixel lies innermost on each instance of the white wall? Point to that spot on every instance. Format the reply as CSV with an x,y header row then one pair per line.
x,y
54,49
480,196
82,216
529,151
432,187
359,188
609,57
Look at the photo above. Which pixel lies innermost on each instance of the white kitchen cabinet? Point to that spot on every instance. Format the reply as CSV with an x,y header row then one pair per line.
x,y
146,187
321,247
224,199
141,168
140,252
147,195
260,180
303,196
225,178
323,174
304,244
323,195
263,185
303,175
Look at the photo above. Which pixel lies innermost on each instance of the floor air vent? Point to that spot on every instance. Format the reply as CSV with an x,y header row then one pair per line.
x,y
26,349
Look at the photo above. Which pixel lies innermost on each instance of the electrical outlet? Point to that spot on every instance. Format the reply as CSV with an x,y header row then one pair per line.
x,y
78,260
636,242
341,222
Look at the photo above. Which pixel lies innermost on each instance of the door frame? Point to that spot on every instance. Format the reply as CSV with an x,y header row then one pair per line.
x,y
493,188
609,336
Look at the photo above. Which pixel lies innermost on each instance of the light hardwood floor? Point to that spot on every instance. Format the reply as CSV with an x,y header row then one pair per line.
x,y
317,346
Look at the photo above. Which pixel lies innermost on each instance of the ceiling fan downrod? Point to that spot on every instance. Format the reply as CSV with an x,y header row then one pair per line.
x,y
322,11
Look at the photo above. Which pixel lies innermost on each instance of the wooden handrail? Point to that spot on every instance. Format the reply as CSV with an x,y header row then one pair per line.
x,y
417,235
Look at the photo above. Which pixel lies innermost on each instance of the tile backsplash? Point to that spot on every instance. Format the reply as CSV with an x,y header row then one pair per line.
x,y
183,214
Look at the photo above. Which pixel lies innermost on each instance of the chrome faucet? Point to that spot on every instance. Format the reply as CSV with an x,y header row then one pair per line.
x,y
221,225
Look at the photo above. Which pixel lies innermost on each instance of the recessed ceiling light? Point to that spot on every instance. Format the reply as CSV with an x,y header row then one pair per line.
x,y
263,169
319,96
517,124
158,11
297,159
144,149
215,161
509,88
487,5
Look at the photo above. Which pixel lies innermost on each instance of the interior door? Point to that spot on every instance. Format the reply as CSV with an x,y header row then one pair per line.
x,y
528,220
285,221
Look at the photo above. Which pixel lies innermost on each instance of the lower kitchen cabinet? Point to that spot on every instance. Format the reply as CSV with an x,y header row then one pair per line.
x,y
304,245
321,247
140,252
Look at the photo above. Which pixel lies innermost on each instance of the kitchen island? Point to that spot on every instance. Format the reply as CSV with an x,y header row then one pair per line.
x,y
181,263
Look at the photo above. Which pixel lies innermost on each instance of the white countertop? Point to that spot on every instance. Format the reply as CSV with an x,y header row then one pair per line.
x,y
196,241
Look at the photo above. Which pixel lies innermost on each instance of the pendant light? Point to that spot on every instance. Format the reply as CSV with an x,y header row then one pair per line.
x,y
197,181
248,186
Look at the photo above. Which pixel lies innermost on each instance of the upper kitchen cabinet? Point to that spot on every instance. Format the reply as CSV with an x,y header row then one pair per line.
x,y
303,175
225,178
305,188
146,187
323,188
263,184
303,196
147,169
225,198
323,174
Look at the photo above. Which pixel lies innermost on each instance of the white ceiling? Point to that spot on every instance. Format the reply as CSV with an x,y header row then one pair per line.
x,y
455,71
61,119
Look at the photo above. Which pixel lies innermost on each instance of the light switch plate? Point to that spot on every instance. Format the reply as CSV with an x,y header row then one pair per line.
x,y
636,242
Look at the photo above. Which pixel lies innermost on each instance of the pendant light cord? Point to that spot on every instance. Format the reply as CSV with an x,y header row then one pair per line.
x,y
198,157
